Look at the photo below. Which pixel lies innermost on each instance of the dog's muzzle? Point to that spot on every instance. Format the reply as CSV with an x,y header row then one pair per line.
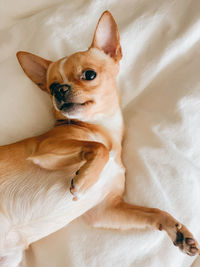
x,y
60,91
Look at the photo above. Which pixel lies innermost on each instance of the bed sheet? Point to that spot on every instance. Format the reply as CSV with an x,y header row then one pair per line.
x,y
159,86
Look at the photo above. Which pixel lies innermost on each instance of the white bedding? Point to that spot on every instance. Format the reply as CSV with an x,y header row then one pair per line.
x,y
159,83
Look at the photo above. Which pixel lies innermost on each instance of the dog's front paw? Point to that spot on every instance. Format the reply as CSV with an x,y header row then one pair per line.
x,y
81,183
79,186
185,240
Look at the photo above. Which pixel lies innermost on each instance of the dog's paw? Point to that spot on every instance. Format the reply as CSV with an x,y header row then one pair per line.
x,y
179,234
185,240
78,186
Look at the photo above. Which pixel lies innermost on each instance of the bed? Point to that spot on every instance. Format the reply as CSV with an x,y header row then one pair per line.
x,y
159,86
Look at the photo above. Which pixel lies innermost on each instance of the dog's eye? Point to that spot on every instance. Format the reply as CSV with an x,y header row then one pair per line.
x,y
88,75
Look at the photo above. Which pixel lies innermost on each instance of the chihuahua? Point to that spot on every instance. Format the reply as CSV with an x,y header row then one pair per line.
x,y
74,169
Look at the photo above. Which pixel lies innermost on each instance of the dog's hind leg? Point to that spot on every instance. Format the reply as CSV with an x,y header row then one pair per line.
x,y
121,215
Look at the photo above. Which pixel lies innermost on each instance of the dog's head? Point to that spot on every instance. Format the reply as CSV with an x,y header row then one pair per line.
x,y
82,86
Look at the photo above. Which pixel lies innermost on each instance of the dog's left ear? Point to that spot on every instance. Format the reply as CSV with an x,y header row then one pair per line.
x,y
35,67
107,37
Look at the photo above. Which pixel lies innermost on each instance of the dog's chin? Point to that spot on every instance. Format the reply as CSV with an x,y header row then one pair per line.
x,y
69,107
73,108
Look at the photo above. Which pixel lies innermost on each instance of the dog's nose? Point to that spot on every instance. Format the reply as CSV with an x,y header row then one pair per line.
x,y
60,90
63,89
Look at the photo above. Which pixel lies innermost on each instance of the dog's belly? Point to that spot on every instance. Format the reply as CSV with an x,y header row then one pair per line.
x,y
38,204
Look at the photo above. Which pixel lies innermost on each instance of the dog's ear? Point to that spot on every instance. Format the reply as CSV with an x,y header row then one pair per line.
x,y
107,37
35,67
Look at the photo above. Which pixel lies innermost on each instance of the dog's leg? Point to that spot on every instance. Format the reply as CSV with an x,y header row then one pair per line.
x,y
56,155
96,157
124,216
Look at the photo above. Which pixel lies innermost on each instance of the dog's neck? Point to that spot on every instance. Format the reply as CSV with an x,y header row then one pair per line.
x,y
112,124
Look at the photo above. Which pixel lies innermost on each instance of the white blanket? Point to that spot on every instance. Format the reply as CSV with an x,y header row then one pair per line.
x,y
159,83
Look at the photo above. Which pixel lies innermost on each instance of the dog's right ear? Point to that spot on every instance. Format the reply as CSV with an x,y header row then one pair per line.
x,y
106,36
35,67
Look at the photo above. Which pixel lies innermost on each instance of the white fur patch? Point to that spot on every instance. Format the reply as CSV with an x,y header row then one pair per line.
x,y
61,70
108,176
114,124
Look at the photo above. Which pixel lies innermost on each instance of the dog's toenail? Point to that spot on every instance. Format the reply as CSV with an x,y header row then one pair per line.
x,y
160,227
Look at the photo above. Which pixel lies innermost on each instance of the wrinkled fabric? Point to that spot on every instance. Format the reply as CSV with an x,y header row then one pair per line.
x,y
159,84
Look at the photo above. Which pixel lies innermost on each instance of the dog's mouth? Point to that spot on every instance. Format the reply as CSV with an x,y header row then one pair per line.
x,y
67,107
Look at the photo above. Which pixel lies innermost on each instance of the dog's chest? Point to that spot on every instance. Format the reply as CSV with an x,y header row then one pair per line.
x,y
108,179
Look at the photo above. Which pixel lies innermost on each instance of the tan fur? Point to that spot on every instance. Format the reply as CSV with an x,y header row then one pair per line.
x,y
84,147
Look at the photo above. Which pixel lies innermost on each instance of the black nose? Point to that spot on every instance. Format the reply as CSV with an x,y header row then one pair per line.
x,y
60,90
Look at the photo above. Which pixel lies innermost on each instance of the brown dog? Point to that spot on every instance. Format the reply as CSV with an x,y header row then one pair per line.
x,y
81,154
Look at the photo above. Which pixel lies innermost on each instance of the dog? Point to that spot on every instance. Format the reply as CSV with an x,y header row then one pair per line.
x,y
74,169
